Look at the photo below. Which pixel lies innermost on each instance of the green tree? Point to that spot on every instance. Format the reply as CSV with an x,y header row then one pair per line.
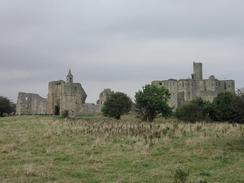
x,y
6,106
116,105
152,101
228,107
195,110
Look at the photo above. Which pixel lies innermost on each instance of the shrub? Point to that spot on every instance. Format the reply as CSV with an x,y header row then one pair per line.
x,y
6,107
228,107
196,110
152,101
116,104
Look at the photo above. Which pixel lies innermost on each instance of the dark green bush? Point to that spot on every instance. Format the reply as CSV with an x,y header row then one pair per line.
x,y
117,104
196,110
225,107
6,106
228,107
152,101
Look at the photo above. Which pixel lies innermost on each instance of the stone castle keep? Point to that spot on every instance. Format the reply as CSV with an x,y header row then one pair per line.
x,y
70,97
62,96
184,90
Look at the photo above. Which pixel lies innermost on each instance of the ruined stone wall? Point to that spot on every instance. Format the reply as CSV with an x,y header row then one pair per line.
x,y
180,99
230,86
184,90
187,89
30,103
172,86
211,84
73,97
90,109
54,96
103,96
221,86
187,86
65,97
199,88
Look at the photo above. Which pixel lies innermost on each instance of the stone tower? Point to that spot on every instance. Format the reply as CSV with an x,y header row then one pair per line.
x,y
69,77
65,96
197,71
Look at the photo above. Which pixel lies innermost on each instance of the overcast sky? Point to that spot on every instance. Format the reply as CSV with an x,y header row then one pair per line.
x,y
117,44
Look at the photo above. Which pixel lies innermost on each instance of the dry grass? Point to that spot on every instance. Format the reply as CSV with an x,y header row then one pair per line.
x,y
97,149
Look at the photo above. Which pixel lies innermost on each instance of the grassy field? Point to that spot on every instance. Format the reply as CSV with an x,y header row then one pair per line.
x,y
96,149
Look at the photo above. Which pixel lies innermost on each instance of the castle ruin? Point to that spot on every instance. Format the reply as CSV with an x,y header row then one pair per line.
x,y
70,97
62,97
184,90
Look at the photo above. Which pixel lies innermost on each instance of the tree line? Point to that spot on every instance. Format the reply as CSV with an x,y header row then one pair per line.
x,y
152,101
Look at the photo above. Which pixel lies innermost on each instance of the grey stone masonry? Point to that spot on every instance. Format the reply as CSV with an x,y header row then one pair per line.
x,y
65,96
62,97
184,90
30,103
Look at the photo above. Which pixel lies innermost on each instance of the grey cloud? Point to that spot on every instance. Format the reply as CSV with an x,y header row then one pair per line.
x,y
119,44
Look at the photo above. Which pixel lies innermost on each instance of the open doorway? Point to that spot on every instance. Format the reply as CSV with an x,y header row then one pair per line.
x,y
56,110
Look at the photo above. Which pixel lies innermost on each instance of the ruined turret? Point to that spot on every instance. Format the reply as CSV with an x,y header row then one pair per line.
x,y
69,77
197,71
103,96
